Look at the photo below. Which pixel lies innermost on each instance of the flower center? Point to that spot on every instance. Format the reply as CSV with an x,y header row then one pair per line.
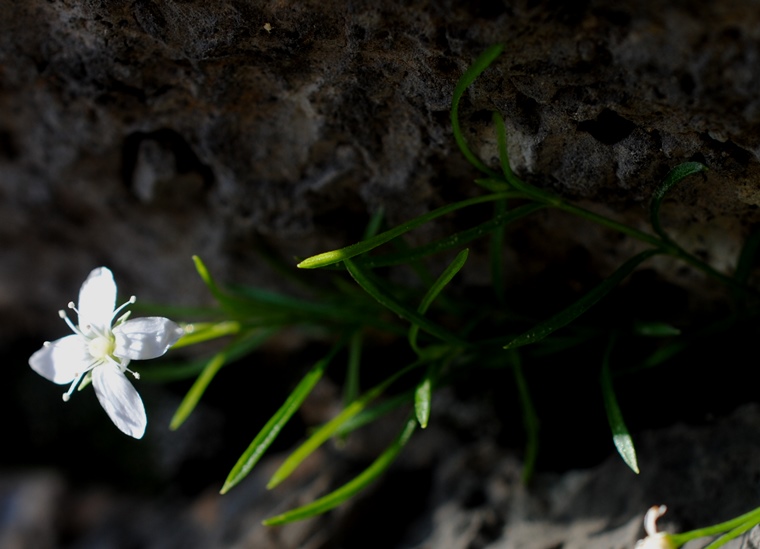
x,y
101,347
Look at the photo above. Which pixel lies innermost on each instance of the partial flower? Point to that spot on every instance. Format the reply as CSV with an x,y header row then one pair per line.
x,y
100,351
655,539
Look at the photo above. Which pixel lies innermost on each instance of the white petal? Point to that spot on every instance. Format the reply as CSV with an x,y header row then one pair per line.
x,y
62,360
97,299
120,400
144,338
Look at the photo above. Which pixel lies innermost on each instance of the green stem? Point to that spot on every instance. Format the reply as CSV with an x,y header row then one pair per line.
x,y
751,517
667,246
336,256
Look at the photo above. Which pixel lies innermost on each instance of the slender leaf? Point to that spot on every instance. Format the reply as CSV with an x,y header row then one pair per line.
x,y
195,393
401,310
514,181
750,519
330,428
368,415
262,307
455,240
620,435
423,395
564,317
496,253
198,332
475,70
269,432
208,280
374,223
450,272
493,185
655,329
733,534
353,487
336,256
675,176
530,419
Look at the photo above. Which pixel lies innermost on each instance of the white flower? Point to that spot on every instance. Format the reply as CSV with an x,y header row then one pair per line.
x,y
655,539
99,351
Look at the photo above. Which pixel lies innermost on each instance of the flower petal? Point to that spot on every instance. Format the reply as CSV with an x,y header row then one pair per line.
x,y
62,360
97,299
120,400
144,338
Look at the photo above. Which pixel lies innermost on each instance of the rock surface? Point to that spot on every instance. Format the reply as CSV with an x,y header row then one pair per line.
x,y
134,134
474,499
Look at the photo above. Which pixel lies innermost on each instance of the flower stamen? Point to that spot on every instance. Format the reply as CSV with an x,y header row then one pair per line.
x,y
67,395
130,301
67,320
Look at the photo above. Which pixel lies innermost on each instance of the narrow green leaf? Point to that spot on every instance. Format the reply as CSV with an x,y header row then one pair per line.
x,y
198,332
208,279
530,419
663,354
675,176
262,307
422,399
493,185
195,393
453,241
374,223
564,317
269,432
655,329
496,253
370,414
450,272
475,70
239,347
336,256
747,520
401,310
330,428
733,534
620,435
515,182
353,487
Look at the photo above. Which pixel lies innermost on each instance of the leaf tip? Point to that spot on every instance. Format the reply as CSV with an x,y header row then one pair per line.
x,y
176,422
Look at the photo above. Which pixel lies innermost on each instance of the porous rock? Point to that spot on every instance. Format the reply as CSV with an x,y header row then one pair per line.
x,y
134,134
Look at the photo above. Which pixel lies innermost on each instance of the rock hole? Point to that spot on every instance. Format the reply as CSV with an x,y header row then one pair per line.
x,y
608,128
153,162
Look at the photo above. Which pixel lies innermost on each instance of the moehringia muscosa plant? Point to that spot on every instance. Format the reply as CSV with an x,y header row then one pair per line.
x,y
101,352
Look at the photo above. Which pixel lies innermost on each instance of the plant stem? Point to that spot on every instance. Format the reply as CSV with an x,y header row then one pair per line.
x,y
751,517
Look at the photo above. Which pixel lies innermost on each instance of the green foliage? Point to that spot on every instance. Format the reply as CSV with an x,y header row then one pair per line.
x,y
448,334
269,432
576,309
620,435
333,499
